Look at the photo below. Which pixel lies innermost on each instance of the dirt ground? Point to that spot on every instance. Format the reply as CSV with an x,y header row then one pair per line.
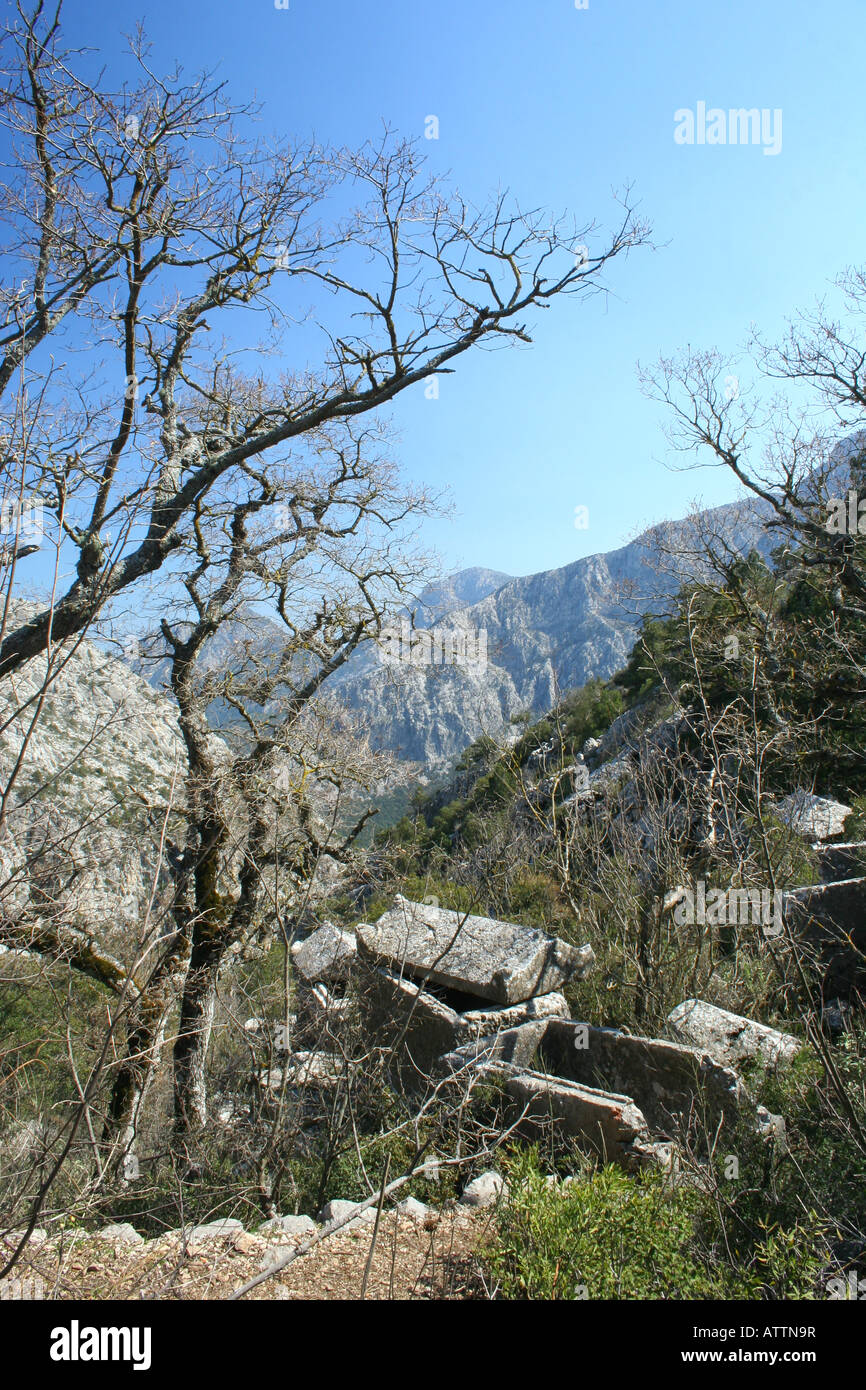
x,y
434,1260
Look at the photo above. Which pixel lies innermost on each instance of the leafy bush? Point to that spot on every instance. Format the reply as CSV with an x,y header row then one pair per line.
x,y
611,1236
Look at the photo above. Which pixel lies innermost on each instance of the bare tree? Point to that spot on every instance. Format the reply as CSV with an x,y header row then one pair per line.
x,y
140,225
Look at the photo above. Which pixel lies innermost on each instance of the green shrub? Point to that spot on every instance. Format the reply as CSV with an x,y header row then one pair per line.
x,y
612,1236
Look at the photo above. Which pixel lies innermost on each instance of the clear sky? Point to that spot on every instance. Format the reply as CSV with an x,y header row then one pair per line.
x,y
562,105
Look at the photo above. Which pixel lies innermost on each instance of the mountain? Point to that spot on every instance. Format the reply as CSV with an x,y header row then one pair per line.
x,y
459,590
545,633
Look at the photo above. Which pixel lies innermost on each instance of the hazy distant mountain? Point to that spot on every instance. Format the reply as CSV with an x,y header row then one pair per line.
x,y
545,634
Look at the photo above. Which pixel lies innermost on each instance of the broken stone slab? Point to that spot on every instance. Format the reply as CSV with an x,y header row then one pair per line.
x,y
625,1096
396,1011
295,1226
731,1039
611,1124
326,955
813,817
830,920
608,1124
485,1190
669,1082
500,961
515,1047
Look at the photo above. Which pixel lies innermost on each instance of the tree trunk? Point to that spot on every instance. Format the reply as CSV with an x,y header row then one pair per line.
x,y
145,1036
193,1040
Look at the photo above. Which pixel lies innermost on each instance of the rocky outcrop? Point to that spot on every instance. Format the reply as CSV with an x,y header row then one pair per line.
x,y
104,762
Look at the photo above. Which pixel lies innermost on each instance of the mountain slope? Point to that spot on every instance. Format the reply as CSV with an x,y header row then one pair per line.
x,y
546,633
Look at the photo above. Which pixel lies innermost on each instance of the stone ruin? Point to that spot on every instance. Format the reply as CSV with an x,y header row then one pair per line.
x,y
466,997
432,979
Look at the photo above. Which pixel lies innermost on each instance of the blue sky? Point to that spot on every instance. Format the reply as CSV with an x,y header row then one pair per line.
x,y
562,106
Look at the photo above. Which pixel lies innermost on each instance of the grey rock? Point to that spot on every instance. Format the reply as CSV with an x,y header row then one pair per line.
x,y
479,956
395,1010
122,1233
326,955
730,1038
102,732
336,1210
768,1125
415,1210
830,918
608,1123
225,1229
324,1070
485,1190
813,817
299,1226
622,1096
